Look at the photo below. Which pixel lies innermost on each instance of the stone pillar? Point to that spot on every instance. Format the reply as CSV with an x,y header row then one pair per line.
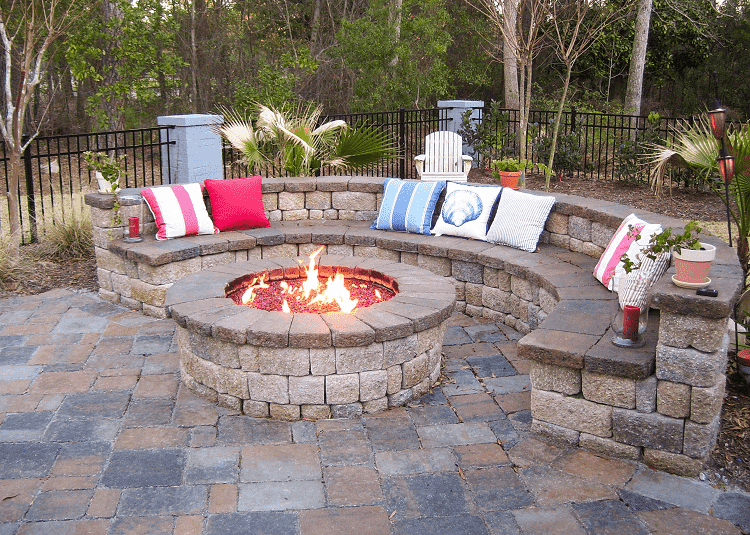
x,y
196,152
451,114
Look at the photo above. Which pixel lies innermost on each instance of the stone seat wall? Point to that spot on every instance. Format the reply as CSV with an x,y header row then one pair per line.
x,y
660,403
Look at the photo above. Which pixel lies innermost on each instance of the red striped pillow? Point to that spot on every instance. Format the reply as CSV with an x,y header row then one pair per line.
x,y
179,210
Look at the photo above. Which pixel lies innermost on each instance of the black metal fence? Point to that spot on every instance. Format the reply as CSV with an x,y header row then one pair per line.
x,y
55,174
589,143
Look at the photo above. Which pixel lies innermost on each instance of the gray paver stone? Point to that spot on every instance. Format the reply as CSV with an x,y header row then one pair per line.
x,y
436,436
672,489
144,468
26,460
182,500
280,496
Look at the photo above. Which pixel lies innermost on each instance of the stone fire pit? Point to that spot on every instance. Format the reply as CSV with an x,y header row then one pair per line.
x,y
291,366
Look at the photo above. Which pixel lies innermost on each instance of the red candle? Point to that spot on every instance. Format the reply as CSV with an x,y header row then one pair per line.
x,y
134,227
630,322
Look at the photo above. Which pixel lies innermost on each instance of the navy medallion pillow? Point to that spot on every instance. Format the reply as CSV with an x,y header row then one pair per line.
x,y
467,210
407,205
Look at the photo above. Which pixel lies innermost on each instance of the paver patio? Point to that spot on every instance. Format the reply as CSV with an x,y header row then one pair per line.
x,y
98,436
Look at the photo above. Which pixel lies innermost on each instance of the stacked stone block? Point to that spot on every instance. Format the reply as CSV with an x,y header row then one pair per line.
x,y
670,418
307,365
660,404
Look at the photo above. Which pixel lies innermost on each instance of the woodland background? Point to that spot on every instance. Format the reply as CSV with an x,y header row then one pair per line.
x,y
121,63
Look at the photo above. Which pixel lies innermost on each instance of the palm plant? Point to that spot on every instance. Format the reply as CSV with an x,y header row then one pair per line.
x,y
293,140
696,148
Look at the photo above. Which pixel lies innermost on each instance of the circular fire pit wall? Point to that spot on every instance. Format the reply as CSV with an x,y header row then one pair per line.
x,y
306,365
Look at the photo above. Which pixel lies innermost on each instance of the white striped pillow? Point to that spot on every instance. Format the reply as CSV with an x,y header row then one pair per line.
x,y
632,289
520,219
179,210
624,241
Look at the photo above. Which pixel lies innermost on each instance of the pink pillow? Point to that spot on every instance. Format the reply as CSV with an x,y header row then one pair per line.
x,y
237,204
624,241
179,210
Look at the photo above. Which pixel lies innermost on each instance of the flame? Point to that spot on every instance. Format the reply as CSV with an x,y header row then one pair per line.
x,y
248,296
312,283
334,291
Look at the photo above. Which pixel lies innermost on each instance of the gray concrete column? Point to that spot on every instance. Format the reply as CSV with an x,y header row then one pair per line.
x,y
450,119
196,152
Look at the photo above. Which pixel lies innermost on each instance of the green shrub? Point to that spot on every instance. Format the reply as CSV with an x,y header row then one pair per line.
x,y
489,138
69,239
568,154
629,165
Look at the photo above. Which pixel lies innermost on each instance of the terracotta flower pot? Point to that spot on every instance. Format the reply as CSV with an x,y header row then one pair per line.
x,y
743,364
510,179
692,265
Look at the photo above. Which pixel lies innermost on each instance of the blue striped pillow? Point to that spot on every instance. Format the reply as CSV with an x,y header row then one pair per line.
x,y
408,205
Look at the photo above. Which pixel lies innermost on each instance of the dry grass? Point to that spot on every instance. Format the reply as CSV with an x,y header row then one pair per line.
x,y
68,239
14,269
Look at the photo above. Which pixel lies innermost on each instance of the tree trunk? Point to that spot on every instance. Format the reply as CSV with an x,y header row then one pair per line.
x,y
525,104
397,5
315,27
112,102
16,171
638,58
558,120
193,61
510,64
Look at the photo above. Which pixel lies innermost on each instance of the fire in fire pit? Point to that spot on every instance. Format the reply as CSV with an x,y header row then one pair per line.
x,y
313,293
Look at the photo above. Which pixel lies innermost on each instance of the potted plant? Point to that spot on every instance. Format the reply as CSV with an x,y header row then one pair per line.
x,y
107,168
293,139
512,171
692,257
743,364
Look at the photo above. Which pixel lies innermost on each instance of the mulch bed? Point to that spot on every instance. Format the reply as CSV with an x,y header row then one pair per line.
x,y
729,464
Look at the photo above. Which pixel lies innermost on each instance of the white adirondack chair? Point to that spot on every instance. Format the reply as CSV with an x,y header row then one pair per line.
x,y
443,158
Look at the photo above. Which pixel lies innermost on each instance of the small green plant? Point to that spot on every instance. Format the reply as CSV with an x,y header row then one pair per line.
x,y
69,239
662,242
111,167
515,164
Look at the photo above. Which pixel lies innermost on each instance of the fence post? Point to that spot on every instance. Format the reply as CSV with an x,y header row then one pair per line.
x,y
30,196
572,118
196,152
402,142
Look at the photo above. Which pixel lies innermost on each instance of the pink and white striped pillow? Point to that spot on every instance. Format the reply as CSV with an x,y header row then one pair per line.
x,y
179,210
624,241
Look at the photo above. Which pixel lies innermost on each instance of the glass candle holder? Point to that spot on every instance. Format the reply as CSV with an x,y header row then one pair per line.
x,y
628,325
132,233
631,312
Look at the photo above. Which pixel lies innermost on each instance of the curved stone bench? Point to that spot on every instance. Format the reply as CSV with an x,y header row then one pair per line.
x,y
660,403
